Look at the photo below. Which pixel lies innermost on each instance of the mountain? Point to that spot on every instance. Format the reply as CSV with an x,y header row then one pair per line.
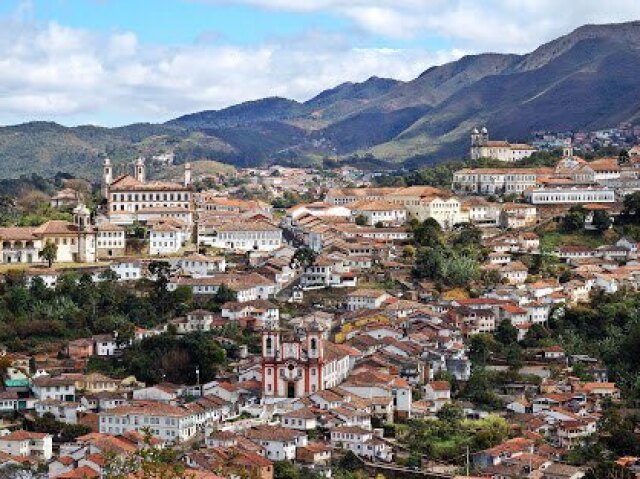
x,y
587,79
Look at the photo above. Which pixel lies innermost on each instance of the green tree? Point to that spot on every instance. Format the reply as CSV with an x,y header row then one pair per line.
x,y
49,252
285,470
450,413
574,219
469,235
506,332
428,233
631,206
148,461
361,220
481,347
304,256
514,357
601,220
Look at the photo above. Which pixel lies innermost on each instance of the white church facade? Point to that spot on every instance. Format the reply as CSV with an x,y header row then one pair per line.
x,y
482,147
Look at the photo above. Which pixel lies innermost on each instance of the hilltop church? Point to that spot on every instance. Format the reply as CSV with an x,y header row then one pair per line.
x,y
482,147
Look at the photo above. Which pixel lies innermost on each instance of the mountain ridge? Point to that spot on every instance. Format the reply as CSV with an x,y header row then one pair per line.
x,y
589,78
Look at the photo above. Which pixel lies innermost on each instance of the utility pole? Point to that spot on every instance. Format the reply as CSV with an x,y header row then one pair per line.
x,y
467,468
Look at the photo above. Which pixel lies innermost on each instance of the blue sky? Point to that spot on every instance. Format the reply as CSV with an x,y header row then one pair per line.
x,y
113,62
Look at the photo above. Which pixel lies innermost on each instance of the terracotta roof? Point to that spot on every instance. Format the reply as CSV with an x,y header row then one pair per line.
x,y
127,183
23,436
82,472
273,433
367,293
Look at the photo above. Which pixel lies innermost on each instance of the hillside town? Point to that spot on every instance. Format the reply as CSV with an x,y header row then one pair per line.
x,y
285,322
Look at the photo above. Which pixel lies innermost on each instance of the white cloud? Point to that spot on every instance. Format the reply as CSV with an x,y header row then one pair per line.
x,y
49,71
478,25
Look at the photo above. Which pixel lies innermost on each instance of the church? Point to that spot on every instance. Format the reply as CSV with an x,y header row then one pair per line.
x,y
295,364
482,147
132,198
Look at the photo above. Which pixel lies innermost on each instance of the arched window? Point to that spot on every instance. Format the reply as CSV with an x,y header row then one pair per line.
x,y
269,343
314,343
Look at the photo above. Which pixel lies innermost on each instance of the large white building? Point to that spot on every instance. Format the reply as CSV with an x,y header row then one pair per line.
x,y
482,147
498,181
164,421
569,194
110,240
133,198
420,202
385,213
238,235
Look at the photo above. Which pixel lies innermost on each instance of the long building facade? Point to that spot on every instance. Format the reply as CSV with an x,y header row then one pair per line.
x,y
133,198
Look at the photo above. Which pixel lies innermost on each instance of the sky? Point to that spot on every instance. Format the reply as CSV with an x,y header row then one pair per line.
x,y
115,62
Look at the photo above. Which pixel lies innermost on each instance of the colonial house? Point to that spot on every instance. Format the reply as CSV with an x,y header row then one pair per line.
x,y
27,444
379,212
366,299
165,238
240,235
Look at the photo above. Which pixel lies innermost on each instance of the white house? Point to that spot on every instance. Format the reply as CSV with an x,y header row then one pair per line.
x,y
381,212
28,444
301,419
61,388
361,442
438,392
366,299
165,238
279,443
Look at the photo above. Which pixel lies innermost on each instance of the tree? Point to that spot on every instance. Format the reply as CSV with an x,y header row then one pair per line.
x,y
481,347
224,295
513,356
361,220
161,297
506,332
574,219
32,201
631,205
409,251
147,462
428,233
450,413
624,157
601,220
469,235
304,256
285,470
609,470
49,252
